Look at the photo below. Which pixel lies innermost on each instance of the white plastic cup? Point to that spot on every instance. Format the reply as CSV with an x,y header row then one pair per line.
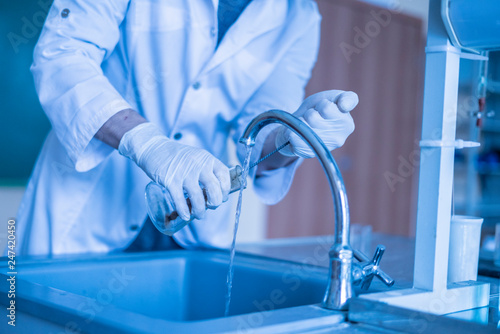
x,y
465,235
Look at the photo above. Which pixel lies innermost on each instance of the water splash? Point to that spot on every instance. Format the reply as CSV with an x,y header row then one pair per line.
x,y
230,272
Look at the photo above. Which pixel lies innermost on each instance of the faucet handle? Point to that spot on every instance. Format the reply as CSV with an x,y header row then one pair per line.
x,y
371,268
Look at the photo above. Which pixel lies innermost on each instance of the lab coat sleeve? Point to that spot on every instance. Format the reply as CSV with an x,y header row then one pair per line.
x,y
77,98
284,89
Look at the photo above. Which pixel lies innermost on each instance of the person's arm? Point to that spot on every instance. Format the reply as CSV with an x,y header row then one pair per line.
x,y
113,130
90,118
284,89
73,91
177,167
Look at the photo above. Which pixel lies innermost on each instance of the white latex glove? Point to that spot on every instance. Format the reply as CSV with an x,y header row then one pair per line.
x,y
327,113
179,168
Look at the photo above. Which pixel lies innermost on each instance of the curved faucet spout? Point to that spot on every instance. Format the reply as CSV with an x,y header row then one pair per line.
x,y
339,289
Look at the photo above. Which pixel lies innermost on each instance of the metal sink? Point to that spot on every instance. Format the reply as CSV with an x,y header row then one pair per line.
x,y
175,290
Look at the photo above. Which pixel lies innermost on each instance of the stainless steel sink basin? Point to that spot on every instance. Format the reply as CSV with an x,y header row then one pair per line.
x,y
176,290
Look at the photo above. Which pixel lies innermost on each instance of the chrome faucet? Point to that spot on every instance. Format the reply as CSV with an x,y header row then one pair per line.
x,y
343,273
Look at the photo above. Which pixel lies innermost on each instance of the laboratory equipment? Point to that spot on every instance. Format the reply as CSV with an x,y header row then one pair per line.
x,y
161,206
165,292
455,26
343,273
472,25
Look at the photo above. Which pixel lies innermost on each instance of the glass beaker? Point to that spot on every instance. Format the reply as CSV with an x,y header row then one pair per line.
x,y
161,207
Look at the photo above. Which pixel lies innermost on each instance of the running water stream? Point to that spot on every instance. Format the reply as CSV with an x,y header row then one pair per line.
x,y
230,272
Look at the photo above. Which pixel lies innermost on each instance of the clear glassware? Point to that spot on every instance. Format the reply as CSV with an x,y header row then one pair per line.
x,y
161,207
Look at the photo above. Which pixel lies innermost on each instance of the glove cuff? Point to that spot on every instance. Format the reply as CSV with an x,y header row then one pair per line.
x,y
135,141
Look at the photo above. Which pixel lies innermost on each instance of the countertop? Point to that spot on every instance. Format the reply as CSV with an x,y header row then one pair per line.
x,y
397,261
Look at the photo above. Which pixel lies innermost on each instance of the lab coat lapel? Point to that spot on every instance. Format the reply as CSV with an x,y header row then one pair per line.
x,y
253,22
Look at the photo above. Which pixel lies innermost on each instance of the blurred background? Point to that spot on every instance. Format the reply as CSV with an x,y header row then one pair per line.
x,y
372,47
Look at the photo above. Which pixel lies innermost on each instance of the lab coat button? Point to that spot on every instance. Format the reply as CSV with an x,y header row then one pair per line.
x,y
212,31
134,227
65,13
197,85
178,136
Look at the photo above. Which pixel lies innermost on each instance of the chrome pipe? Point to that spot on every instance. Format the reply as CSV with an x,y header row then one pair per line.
x,y
339,289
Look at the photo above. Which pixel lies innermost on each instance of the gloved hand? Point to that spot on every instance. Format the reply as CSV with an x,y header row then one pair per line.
x,y
179,168
327,113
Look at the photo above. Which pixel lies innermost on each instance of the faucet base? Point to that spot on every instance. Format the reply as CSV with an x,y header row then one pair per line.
x,y
339,289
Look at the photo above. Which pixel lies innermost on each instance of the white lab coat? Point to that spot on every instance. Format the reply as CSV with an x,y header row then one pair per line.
x,y
159,58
